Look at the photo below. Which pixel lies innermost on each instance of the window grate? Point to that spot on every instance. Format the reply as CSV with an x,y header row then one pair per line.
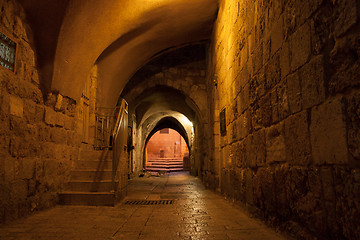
x,y
7,52
149,202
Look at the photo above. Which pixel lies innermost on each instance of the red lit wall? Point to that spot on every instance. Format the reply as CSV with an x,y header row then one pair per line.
x,y
171,145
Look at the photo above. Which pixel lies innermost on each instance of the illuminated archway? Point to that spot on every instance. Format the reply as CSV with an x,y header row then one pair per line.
x,y
166,150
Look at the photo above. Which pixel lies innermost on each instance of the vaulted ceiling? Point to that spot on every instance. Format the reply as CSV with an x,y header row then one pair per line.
x,y
119,35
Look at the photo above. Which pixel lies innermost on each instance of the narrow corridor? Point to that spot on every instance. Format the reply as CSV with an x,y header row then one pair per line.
x,y
196,213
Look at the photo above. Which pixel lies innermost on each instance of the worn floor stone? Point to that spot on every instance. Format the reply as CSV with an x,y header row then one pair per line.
x,y
196,213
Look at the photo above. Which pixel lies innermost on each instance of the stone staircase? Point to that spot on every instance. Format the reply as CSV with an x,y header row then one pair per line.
x,y
164,164
90,182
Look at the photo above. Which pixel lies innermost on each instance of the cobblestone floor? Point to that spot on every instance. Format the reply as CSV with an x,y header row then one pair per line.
x,y
196,213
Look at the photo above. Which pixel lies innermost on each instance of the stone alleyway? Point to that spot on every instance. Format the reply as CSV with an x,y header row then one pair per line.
x,y
196,213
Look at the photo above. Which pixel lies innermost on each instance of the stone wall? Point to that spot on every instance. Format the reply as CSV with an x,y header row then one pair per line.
x,y
287,73
37,139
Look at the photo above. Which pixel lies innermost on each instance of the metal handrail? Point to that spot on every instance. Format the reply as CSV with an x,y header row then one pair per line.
x,y
119,120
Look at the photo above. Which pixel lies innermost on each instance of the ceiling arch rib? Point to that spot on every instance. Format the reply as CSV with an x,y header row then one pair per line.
x,y
170,122
135,30
160,100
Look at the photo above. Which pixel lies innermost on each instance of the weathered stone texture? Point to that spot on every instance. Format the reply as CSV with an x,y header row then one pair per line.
x,y
275,144
294,93
353,131
256,149
300,47
312,83
297,66
35,157
328,133
298,149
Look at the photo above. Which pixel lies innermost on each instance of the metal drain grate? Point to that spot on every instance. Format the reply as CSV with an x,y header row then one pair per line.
x,y
148,202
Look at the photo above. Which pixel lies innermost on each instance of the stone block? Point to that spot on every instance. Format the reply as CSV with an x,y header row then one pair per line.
x,y
16,106
59,100
25,146
50,116
312,83
240,154
314,182
244,125
297,12
297,187
73,154
261,113
19,190
39,113
60,119
273,72
328,133
274,106
249,193
300,47
27,56
7,17
327,184
256,149
9,168
29,111
35,79
17,126
294,93
348,16
285,59
277,35
275,144
347,201
270,203
16,147
69,123
232,131
58,135
258,58
344,59
283,102
244,99
321,28
28,170
353,124
30,91
48,150
43,132
281,179
298,148
266,51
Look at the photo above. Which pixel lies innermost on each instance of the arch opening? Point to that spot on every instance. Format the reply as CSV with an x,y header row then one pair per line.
x,y
166,151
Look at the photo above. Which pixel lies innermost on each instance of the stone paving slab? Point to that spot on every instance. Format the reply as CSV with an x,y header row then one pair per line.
x,y
197,213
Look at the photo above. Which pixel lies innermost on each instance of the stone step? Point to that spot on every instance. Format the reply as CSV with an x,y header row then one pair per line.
x,y
92,175
152,160
98,155
165,163
164,167
91,186
93,165
165,160
87,198
150,169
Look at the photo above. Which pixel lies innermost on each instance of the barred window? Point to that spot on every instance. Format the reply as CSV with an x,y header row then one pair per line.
x,y
7,52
